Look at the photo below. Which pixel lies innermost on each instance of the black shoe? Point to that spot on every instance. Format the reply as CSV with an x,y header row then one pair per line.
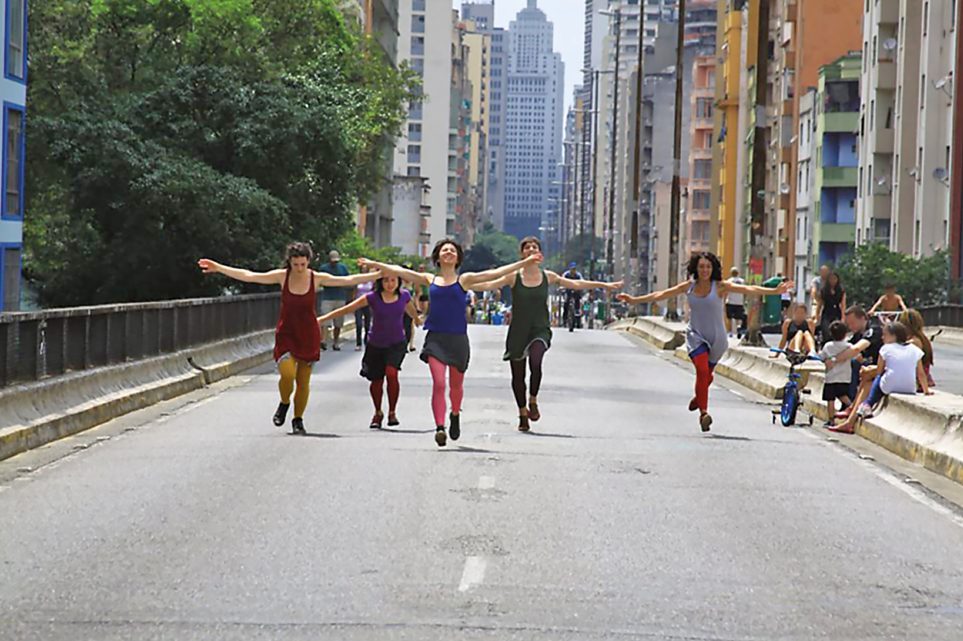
x,y
376,421
440,437
393,420
297,426
455,429
704,422
281,414
324,347
336,347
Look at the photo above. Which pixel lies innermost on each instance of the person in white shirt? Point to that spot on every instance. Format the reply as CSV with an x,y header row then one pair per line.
x,y
901,366
836,384
736,306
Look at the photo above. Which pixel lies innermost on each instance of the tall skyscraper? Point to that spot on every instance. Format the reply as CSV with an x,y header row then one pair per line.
x,y
532,124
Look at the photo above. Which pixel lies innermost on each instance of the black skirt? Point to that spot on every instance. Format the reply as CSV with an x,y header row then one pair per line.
x,y
453,350
377,360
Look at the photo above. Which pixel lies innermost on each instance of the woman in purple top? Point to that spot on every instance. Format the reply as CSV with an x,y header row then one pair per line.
x,y
446,348
386,345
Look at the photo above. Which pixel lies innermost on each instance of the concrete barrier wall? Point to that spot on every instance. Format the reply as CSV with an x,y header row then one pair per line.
x,y
927,430
35,414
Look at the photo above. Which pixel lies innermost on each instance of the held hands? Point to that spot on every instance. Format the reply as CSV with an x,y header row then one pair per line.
x,y
208,266
614,286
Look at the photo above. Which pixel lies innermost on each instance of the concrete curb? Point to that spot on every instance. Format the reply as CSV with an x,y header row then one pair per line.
x,y
662,334
38,413
949,335
926,430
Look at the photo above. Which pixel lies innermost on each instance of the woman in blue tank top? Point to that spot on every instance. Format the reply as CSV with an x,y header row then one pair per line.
x,y
706,339
446,346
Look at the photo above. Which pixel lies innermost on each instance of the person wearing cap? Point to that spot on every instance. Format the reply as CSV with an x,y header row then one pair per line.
x,y
333,298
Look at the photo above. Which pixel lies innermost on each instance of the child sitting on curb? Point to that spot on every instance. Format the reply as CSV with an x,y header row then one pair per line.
x,y
836,385
901,366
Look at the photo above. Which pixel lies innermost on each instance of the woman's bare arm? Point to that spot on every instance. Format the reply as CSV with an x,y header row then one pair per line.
x,y
676,290
273,277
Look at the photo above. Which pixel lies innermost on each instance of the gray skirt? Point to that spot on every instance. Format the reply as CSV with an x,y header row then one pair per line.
x,y
453,350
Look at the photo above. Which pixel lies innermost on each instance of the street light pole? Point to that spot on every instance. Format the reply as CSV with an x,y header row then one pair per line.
x,y
613,173
672,312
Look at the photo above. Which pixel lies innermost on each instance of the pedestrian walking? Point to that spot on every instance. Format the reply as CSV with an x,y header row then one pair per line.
x,y
705,335
736,306
530,333
832,302
386,347
297,339
362,315
331,299
446,349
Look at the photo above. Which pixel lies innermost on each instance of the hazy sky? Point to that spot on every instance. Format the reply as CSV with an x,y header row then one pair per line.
x,y
568,16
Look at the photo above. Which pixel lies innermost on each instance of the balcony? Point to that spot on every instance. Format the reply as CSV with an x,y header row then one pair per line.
x,y
887,12
884,141
886,74
843,121
789,61
836,232
840,177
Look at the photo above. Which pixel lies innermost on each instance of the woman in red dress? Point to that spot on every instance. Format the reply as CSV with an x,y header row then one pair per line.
x,y
297,342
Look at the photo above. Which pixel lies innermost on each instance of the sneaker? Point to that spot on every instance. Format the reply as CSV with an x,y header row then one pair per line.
x,y
393,420
297,426
376,421
704,422
324,347
336,347
829,425
357,348
864,410
455,429
693,404
533,413
440,437
281,414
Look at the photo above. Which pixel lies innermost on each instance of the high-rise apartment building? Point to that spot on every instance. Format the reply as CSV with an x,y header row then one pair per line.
x,y
908,74
699,217
478,66
13,87
425,41
532,123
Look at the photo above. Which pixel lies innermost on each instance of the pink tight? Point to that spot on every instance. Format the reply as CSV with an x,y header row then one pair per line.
x,y
457,393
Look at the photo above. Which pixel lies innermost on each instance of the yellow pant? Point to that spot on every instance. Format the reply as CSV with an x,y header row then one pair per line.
x,y
292,370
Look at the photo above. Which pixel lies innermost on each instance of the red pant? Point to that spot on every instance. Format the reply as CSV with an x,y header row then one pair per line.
x,y
704,378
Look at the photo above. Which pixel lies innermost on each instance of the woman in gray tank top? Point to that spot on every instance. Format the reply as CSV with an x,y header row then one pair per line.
x,y
705,335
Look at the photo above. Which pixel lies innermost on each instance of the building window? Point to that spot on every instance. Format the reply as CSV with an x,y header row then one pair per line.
x,y
16,17
414,171
417,24
417,5
414,153
13,161
700,199
414,132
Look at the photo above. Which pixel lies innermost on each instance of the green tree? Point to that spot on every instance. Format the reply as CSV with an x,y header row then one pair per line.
x,y
163,130
492,248
920,281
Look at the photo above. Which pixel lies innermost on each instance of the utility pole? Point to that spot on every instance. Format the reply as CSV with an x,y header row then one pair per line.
x,y
672,312
596,148
613,173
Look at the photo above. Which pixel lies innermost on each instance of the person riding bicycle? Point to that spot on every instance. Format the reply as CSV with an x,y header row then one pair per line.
x,y
889,303
573,297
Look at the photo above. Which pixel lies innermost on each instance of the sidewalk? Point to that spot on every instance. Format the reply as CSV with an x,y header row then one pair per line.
x,y
927,430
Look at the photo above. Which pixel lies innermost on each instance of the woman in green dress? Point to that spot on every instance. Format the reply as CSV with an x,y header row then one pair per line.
x,y
530,332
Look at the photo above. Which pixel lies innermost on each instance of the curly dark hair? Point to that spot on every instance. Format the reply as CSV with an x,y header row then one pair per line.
x,y
298,250
436,252
693,269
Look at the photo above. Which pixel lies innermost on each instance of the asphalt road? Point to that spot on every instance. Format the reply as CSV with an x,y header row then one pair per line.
x,y
615,519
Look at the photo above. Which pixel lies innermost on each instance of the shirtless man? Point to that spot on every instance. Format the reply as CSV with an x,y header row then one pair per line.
x,y
890,301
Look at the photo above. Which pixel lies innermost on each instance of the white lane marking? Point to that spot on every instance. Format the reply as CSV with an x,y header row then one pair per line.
x,y
474,573
904,486
486,483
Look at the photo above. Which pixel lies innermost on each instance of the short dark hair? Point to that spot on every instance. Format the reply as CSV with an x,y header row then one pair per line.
x,y
838,329
298,250
436,252
857,311
693,269
379,285
529,239
889,286
898,330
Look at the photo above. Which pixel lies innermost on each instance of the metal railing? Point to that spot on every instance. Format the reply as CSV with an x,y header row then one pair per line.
x,y
38,345
946,315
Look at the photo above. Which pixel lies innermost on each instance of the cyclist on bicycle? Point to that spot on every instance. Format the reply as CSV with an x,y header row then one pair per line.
x,y
890,302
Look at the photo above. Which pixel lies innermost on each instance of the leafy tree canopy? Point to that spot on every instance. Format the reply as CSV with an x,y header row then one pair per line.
x,y
492,248
920,281
164,130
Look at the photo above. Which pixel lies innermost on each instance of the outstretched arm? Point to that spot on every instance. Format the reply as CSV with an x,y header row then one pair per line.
x,y
412,311
677,290
498,283
872,310
273,277
417,278
734,288
569,283
350,308
902,305
324,279
469,280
